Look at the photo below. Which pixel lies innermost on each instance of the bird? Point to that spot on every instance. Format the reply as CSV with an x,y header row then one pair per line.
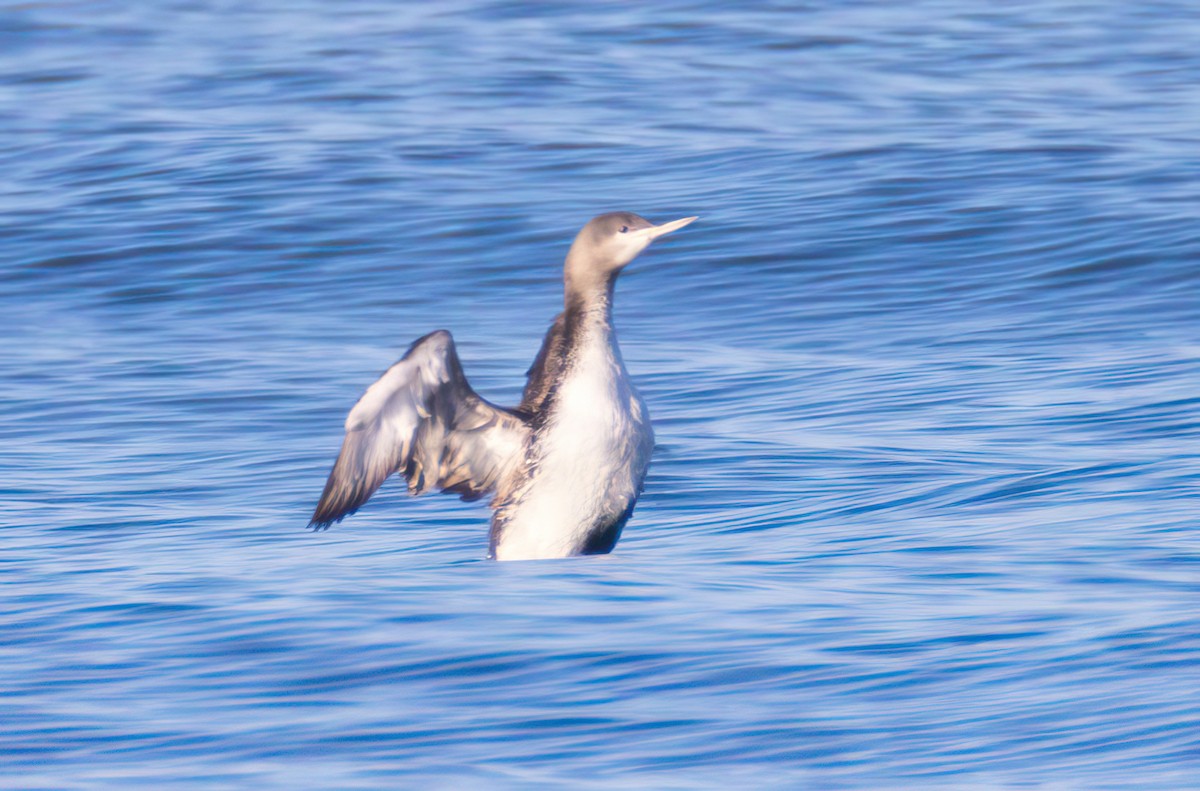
x,y
564,467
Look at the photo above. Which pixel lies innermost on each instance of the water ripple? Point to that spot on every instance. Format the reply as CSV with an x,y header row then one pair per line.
x,y
923,378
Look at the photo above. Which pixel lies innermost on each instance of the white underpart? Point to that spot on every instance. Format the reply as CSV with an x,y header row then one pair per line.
x,y
590,460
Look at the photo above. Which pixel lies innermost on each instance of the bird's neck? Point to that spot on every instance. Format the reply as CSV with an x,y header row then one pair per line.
x,y
589,339
589,300
587,282
588,315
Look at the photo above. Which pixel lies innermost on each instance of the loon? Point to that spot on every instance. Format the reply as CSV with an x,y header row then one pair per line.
x,y
564,467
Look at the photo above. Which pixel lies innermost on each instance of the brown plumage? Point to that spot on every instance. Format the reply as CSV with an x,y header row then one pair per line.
x,y
422,419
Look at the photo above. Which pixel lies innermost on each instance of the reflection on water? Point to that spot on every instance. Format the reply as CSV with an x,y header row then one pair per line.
x,y
924,378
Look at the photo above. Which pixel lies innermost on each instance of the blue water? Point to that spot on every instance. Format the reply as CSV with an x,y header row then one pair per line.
x,y
925,378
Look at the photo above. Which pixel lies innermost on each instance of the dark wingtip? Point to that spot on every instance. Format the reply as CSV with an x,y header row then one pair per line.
x,y
322,520
332,507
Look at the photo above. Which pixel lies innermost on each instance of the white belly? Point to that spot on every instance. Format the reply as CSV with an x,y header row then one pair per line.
x,y
588,464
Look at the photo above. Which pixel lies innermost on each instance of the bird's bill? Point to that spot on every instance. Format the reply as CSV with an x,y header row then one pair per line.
x,y
656,231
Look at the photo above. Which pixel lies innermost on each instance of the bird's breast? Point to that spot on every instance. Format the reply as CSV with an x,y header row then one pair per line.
x,y
587,462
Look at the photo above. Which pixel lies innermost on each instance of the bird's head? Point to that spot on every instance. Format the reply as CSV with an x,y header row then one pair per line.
x,y
608,243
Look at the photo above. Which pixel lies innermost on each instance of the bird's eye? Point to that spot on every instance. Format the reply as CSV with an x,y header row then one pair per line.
x,y
624,229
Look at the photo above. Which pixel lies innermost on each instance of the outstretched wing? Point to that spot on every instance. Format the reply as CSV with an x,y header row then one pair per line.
x,y
422,419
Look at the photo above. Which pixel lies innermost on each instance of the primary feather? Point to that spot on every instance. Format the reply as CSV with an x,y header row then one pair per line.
x,y
422,419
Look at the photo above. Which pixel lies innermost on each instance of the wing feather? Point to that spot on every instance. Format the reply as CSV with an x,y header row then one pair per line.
x,y
422,418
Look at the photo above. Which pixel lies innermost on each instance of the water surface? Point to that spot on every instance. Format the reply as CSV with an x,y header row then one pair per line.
x,y
924,377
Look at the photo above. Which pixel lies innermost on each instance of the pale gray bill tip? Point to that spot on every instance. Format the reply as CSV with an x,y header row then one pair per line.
x,y
667,227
